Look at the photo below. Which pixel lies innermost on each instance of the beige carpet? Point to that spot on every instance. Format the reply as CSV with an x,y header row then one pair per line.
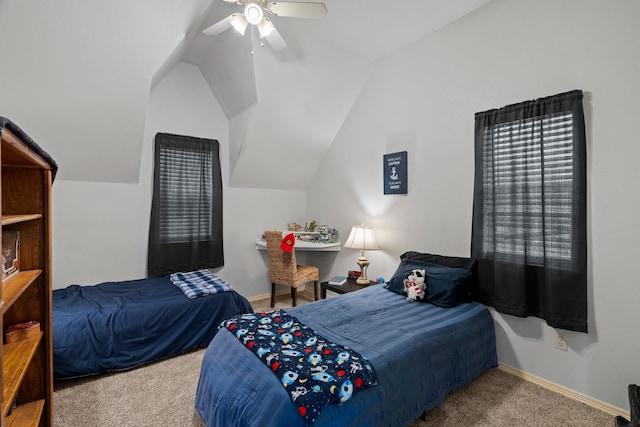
x,y
163,394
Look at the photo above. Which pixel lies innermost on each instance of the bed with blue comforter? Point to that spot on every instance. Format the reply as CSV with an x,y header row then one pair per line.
x,y
419,352
119,325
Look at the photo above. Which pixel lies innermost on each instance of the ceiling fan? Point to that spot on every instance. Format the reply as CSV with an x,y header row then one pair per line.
x,y
253,14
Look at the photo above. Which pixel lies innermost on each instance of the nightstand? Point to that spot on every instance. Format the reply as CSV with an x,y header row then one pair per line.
x,y
349,286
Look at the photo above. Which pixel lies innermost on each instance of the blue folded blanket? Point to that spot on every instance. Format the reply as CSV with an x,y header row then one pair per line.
x,y
314,370
199,283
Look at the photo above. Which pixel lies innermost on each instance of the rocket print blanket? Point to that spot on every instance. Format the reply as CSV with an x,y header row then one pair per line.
x,y
313,370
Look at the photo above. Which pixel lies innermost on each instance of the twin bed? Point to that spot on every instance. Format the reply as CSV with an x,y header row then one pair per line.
x,y
419,351
416,352
119,325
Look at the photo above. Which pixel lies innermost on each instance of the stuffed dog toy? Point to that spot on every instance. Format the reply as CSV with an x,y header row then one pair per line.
x,y
414,286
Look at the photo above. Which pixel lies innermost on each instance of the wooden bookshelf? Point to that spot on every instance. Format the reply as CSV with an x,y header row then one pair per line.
x,y
27,365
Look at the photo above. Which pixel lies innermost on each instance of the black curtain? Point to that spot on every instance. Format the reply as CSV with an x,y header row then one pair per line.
x,y
529,211
185,233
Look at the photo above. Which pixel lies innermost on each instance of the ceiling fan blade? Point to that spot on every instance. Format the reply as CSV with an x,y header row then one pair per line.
x,y
272,36
298,9
220,26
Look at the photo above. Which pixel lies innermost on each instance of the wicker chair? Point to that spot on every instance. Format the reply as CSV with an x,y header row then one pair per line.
x,y
284,270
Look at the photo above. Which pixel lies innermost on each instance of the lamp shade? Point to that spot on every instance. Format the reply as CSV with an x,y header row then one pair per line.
x,y
361,237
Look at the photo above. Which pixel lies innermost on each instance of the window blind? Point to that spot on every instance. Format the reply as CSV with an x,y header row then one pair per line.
x,y
529,207
185,195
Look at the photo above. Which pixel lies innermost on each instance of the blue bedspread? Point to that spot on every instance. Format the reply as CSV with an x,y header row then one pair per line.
x,y
420,353
120,325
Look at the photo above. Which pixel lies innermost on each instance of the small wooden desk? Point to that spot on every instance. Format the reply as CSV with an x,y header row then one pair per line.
x,y
303,246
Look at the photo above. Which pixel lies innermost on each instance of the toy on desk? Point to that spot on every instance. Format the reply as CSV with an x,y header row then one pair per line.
x,y
380,280
324,233
333,235
294,226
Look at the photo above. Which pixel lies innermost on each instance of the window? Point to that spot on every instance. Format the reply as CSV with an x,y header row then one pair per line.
x,y
186,194
186,213
529,218
517,187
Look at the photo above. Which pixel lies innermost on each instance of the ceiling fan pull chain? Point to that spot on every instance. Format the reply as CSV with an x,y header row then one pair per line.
x,y
253,38
252,34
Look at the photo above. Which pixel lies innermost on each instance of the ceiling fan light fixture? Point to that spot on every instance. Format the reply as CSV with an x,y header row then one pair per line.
x,y
239,22
253,13
265,28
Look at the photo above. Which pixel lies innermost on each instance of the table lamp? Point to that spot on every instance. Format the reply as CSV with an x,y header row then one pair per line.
x,y
362,238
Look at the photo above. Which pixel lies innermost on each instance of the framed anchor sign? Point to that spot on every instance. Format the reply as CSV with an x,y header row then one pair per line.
x,y
395,173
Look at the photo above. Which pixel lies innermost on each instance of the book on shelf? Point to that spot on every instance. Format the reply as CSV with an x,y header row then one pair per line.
x,y
22,331
10,252
338,280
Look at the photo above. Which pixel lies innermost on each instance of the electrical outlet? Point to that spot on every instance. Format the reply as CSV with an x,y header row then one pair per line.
x,y
561,342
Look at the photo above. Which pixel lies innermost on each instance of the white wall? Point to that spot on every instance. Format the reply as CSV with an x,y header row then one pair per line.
x,y
98,232
423,100
75,76
104,227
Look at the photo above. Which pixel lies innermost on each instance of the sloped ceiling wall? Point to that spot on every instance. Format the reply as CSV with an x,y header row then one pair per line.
x,y
285,107
300,108
77,74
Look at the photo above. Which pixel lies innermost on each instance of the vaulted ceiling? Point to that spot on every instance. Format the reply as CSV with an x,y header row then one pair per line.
x,y
78,75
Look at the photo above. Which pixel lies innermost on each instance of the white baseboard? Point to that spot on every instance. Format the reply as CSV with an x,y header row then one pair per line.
x,y
564,391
